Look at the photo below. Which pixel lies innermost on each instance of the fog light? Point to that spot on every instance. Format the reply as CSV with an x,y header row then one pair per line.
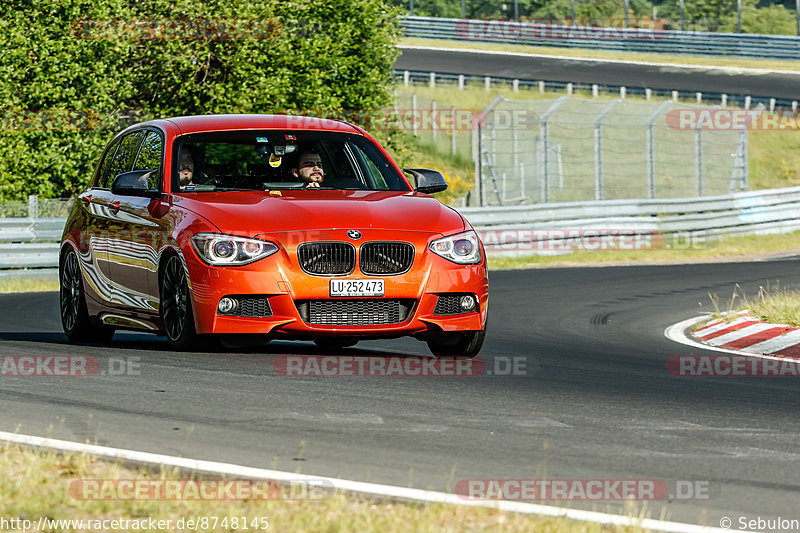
x,y
226,305
467,303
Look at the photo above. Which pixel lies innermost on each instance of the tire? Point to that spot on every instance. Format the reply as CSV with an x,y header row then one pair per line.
x,y
461,344
335,343
75,319
175,308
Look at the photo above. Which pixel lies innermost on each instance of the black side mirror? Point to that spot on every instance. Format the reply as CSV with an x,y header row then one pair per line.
x,y
428,181
134,183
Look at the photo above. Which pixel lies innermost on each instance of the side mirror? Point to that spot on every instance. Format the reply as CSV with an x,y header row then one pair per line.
x,y
134,183
428,181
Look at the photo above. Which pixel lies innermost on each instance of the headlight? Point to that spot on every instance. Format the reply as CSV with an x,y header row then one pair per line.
x,y
464,248
221,250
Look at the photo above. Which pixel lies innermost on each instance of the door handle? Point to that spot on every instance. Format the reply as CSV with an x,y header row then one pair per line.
x,y
114,207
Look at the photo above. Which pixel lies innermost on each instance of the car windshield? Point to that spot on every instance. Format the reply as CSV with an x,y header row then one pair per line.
x,y
269,160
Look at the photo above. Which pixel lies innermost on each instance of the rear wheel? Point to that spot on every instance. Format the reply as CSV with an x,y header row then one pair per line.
x,y
465,343
176,309
335,343
74,315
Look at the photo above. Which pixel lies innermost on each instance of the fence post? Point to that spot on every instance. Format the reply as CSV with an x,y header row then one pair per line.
x,y
651,159
487,82
406,78
724,100
515,86
543,134
432,80
598,150
623,91
414,114
541,87
33,206
460,82
433,120
453,128
674,96
698,155
595,91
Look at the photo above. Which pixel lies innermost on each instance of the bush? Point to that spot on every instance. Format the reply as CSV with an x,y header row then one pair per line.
x,y
64,91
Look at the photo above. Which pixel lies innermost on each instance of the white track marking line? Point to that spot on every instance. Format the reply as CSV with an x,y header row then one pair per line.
x,y
346,485
732,70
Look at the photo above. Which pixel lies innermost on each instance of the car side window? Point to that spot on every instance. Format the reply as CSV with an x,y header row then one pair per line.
x,y
123,159
150,157
103,179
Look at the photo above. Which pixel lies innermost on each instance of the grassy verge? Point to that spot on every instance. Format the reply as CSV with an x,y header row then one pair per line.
x,y
37,484
772,64
732,248
22,284
773,304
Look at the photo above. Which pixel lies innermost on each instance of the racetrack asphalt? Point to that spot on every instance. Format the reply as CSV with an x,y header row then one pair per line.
x,y
596,401
669,77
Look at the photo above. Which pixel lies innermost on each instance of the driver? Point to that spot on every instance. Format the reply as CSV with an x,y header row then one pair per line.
x,y
309,169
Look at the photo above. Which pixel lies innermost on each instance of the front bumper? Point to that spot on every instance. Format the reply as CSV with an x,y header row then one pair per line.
x,y
280,279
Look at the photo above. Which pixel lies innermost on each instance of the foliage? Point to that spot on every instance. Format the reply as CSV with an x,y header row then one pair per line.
x,y
73,72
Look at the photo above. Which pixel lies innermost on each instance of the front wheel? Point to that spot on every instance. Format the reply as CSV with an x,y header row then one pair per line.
x,y
176,309
74,314
458,344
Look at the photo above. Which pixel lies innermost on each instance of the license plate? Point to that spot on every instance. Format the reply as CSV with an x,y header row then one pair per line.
x,y
356,287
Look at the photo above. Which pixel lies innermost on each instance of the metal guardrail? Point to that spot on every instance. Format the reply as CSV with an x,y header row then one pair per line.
x,y
615,39
529,229
544,228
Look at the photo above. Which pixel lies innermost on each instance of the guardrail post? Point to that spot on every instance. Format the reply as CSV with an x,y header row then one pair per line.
x,y
771,105
33,206
406,78
674,96
515,86
598,149
432,80
724,102
569,89
698,155
623,91
460,82
699,98
794,104
747,101
595,91
487,82
648,94
541,87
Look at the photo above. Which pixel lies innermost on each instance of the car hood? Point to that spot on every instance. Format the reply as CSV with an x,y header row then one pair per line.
x,y
254,212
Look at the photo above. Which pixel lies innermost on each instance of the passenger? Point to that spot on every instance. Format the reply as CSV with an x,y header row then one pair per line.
x,y
309,169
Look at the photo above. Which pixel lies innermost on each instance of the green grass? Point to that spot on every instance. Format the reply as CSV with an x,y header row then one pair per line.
x,y
726,249
23,284
36,484
772,64
773,304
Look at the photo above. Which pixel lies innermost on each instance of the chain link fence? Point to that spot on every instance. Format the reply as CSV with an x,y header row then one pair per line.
x,y
572,149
